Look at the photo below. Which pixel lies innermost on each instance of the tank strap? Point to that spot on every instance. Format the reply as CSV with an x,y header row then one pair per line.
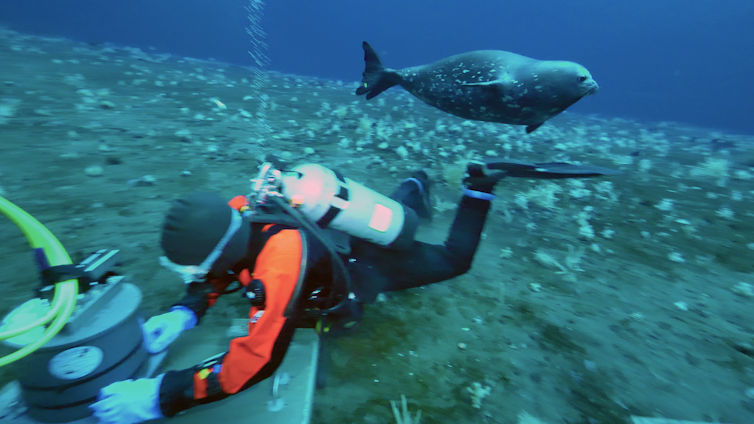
x,y
280,220
339,239
339,203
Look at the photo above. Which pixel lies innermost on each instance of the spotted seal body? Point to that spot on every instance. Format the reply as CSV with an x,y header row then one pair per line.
x,y
486,85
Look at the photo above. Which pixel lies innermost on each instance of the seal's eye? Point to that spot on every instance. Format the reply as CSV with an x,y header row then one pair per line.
x,y
582,79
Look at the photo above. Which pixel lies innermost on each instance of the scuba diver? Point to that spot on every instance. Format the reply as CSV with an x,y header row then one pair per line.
x,y
307,248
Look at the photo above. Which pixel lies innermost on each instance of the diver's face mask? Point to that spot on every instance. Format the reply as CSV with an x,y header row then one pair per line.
x,y
198,273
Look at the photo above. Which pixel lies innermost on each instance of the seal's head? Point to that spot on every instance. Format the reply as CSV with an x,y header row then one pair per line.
x,y
586,84
556,85
571,79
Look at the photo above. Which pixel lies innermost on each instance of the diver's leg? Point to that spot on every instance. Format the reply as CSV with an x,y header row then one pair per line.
x,y
424,263
414,193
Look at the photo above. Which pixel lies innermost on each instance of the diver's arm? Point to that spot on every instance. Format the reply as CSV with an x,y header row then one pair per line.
x,y
426,263
162,330
256,356
196,299
471,215
200,296
455,256
184,389
466,232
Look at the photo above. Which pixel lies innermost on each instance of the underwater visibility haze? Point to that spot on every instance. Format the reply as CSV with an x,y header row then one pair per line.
x,y
682,61
627,298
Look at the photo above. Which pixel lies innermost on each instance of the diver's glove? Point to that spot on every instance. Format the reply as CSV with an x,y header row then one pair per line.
x,y
480,184
129,401
161,330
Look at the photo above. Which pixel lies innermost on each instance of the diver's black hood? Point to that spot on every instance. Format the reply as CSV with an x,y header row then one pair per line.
x,y
195,224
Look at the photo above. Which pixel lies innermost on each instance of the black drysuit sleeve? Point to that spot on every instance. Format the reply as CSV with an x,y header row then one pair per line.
x,y
424,263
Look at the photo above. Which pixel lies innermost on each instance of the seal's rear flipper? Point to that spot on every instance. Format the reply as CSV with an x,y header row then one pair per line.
x,y
530,128
550,170
377,78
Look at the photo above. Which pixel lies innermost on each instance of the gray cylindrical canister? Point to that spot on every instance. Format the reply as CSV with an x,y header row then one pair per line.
x,y
102,344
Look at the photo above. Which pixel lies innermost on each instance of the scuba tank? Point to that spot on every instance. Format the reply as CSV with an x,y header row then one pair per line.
x,y
333,201
316,198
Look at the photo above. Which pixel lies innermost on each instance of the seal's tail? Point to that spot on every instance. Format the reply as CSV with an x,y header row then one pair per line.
x,y
377,78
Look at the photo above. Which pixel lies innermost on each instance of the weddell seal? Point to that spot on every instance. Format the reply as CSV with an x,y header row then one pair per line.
x,y
486,85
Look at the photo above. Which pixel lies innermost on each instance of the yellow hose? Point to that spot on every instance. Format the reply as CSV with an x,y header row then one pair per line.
x,y
64,299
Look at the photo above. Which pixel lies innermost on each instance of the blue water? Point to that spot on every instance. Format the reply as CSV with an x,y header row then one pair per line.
x,y
688,61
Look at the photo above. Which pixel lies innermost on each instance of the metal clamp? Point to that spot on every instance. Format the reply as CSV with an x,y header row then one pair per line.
x,y
277,403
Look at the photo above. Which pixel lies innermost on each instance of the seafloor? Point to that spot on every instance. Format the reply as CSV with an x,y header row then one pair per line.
x,y
587,302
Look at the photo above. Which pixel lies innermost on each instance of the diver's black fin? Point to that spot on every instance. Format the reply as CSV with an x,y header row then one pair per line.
x,y
377,78
550,170
567,170
530,128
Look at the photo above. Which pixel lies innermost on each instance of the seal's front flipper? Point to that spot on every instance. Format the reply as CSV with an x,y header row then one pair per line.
x,y
493,83
495,88
377,78
530,128
550,170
